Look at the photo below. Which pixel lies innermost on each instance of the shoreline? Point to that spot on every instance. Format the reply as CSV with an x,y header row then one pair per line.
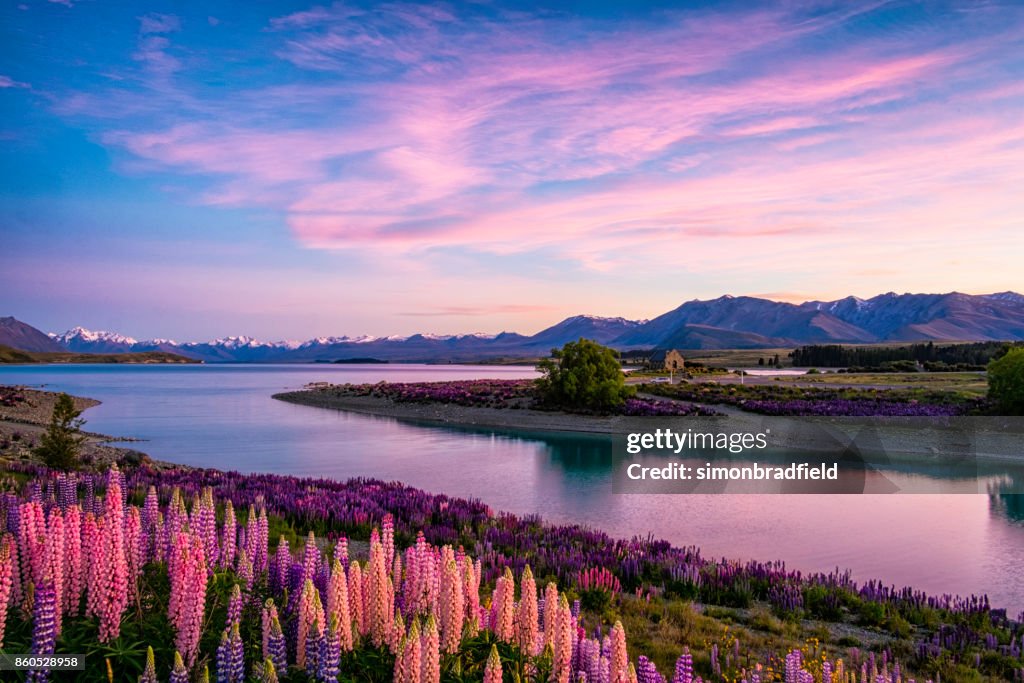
x,y
21,426
902,438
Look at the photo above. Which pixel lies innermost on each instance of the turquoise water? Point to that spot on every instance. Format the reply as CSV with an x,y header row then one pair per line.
x,y
222,416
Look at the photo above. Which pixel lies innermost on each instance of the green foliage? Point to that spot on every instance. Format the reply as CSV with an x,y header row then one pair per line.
x,y
583,375
1006,381
59,445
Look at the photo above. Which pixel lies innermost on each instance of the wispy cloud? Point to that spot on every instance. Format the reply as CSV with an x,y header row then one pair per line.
x,y
8,82
718,145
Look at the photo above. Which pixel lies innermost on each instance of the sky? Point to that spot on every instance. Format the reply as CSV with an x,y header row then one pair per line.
x,y
289,170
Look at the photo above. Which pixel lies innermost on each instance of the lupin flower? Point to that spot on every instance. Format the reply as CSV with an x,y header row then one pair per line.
x,y
113,574
341,550
337,605
503,609
388,538
310,557
492,670
282,562
646,672
408,665
309,612
55,562
188,572
471,593
526,613
245,570
7,560
235,604
430,649
561,662
133,549
228,544
550,612
451,607
276,648
330,655
44,633
267,615
91,563
73,560
355,598
684,668
379,597
619,660
32,542
149,673
314,647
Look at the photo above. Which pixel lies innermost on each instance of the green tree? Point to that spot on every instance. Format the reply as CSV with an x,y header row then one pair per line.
x,y
59,445
1006,381
583,375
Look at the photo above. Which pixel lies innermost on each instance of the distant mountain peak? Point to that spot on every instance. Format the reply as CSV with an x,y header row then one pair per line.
x,y
87,335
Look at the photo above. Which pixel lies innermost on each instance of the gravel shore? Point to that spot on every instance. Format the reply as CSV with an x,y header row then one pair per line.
x,y
912,440
23,423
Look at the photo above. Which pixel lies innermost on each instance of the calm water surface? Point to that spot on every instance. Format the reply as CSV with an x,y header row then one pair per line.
x,y
223,416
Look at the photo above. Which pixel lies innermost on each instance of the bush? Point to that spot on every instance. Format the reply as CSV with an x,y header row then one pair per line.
x,y
583,375
60,444
1006,382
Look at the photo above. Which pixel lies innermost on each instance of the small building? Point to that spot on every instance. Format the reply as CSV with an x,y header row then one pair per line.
x,y
667,359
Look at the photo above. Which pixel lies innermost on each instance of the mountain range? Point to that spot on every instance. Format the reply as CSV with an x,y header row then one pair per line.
x,y
725,322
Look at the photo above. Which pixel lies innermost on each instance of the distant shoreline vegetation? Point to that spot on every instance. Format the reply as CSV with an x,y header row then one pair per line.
x,y
16,356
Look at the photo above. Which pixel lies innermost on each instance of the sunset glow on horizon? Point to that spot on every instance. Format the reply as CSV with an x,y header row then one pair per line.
x,y
289,170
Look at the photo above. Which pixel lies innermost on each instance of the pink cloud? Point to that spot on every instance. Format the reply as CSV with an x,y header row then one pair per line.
x,y
613,151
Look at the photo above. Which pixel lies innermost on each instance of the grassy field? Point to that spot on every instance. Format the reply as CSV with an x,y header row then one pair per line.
x,y
974,383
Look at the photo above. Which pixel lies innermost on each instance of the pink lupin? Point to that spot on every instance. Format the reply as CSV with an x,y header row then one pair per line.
x,y
341,551
526,613
356,602
412,656
388,538
376,592
91,562
550,612
430,648
74,578
133,549
502,608
55,564
492,670
188,573
32,543
471,594
451,607
561,663
7,560
337,605
113,572
619,659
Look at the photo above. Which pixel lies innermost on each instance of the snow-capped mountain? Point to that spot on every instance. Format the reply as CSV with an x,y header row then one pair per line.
x,y
725,322
82,340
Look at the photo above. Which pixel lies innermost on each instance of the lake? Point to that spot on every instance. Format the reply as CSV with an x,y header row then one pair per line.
x,y
222,416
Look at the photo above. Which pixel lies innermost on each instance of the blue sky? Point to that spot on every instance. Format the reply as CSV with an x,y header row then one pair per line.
x,y
288,170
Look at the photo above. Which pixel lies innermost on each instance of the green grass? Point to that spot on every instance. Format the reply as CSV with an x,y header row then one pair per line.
x,y
970,383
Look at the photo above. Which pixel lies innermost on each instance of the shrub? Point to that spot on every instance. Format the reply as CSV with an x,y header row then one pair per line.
x,y
60,444
583,375
1006,381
